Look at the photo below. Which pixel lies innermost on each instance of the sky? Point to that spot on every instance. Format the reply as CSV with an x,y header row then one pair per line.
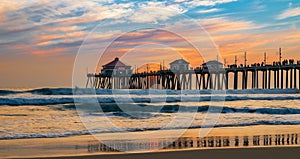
x,y
41,39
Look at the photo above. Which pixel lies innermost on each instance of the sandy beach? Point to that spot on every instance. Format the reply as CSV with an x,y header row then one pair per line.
x,y
245,153
88,145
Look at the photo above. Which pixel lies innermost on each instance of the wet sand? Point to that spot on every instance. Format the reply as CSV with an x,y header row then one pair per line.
x,y
268,141
239,153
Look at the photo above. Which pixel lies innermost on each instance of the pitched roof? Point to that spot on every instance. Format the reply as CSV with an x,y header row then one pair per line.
x,y
114,63
179,61
213,62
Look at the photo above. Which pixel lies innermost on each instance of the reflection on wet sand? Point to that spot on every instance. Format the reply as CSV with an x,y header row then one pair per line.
x,y
192,142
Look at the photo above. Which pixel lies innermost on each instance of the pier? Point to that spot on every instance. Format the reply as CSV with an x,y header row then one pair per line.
x,y
212,75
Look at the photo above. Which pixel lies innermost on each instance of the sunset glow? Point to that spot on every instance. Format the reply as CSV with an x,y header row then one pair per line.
x,y
39,37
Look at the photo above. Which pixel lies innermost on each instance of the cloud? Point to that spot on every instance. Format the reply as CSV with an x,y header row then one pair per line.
x,y
258,5
155,11
196,3
48,52
8,5
209,10
41,12
105,36
76,11
48,23
68,35
62,29
223,25
289,13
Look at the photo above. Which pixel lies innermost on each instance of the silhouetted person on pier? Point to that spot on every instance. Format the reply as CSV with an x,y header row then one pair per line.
x,y
291,61
285,62
278,63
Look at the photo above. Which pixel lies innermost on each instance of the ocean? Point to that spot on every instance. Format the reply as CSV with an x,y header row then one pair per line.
x,y
56,112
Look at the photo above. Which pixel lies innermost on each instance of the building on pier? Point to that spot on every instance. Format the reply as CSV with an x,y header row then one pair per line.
x,y
212,65
116,67
179,65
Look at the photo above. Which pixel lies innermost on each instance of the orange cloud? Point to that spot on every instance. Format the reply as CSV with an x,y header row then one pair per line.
x,y
221,25
49,37
166,36
293,37
43,43
63,36
73,21
48,52
62,29
104,36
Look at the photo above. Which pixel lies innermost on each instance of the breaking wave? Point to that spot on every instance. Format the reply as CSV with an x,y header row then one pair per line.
x,y
52,100
86,132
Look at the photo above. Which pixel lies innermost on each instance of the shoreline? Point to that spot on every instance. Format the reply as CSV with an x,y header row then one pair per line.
x,y
88,145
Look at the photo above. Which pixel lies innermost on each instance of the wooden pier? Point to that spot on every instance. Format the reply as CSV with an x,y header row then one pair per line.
x,y
251,77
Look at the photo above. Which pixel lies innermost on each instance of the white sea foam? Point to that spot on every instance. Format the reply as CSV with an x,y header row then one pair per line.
x,y
70,91
111,130
140,98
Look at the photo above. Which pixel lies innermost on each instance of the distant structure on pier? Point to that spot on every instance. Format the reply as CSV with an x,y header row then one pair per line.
x,y
116,67
213,65
179,65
